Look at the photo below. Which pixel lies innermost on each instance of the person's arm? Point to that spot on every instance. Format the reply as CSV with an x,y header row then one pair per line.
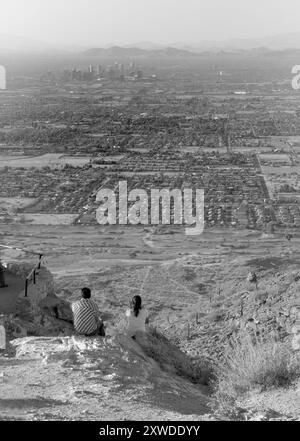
x,y
73,311
127,316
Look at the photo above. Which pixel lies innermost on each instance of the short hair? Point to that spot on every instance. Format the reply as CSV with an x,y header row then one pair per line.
x,y
86,293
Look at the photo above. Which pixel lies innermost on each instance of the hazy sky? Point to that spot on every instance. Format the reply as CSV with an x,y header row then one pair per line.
x,y
99,22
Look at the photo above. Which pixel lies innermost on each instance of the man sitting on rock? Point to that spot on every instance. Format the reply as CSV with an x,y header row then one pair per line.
x,y
87,316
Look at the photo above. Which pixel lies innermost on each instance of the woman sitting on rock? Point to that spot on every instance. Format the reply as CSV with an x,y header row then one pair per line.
x,y
137,317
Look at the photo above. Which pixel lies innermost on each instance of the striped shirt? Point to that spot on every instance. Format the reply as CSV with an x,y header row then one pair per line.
x,y
86,315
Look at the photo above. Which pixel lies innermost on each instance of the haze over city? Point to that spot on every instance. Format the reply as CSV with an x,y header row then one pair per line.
x,y
83,23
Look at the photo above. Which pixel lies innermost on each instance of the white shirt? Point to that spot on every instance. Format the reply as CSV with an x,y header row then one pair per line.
x,y
136,324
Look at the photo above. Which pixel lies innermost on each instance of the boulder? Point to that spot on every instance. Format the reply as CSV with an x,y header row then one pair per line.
x,y
23,308
57,307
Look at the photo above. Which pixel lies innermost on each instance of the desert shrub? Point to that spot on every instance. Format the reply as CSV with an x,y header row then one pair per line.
x,y
199,287
216,304
261,297
251,363
215,316
21,269
189,274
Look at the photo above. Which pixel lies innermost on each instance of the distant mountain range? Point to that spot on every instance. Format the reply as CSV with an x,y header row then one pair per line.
x,y
118,51
274,42
178,49
11,43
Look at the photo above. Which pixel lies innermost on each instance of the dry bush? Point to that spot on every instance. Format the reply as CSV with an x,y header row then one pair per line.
x,y
189,274
215,316
251,363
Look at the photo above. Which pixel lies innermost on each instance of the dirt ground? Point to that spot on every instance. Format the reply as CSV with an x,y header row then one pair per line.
x,y
182,280
111,379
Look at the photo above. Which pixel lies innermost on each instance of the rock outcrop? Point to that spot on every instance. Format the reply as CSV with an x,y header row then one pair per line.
x,y
68,378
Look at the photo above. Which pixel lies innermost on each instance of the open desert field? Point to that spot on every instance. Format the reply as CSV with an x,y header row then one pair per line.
x,y
52,160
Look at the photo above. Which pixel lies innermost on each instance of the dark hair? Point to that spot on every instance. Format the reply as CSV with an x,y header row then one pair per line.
x,y
136,305
86,293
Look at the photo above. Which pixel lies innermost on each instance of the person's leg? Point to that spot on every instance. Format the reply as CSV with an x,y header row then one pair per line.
x,y
2,279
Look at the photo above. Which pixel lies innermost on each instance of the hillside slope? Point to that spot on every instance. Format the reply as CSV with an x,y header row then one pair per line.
x,y
72,378
200,301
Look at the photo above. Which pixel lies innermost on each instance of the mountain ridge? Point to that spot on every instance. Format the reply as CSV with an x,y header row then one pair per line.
x,y
136,52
